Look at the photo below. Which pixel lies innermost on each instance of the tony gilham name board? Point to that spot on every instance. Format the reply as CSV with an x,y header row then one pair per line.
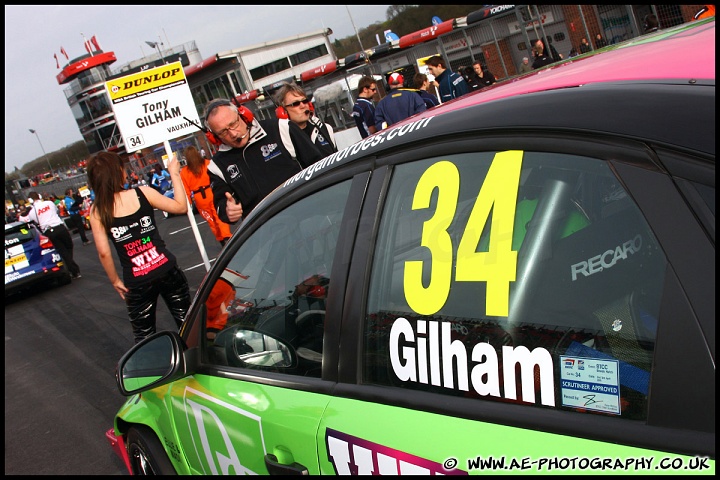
x,y
153,106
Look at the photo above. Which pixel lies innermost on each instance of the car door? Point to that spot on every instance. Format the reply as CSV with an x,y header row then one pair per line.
x,y
264,382
510,309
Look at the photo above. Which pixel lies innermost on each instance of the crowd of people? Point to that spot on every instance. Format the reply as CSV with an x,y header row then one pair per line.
x,y
373,113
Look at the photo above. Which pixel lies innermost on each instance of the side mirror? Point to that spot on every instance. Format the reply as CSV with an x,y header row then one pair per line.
x,y
249,348
155,360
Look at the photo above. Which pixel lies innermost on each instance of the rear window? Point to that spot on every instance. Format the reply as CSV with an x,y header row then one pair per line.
x,y
19,234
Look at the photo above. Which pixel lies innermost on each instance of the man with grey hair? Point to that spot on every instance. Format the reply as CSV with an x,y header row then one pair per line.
x,y
525,66
254,157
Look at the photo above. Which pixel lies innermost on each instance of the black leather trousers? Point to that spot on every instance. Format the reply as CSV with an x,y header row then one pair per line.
x,y
142,302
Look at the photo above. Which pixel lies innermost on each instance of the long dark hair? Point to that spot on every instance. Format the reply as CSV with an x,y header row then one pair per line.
x,y
106,177
195,161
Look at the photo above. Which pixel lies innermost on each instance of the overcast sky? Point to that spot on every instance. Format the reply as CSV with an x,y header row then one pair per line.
x,y
33,34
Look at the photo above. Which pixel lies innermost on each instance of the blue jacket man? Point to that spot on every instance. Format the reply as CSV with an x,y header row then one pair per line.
x,y
398,104
450,84
364,109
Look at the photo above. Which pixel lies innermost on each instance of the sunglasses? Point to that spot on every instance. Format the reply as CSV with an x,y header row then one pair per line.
x,y
297,104
373,89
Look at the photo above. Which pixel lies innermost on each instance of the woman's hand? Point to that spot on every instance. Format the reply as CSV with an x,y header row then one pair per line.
x,y
120,287
174,165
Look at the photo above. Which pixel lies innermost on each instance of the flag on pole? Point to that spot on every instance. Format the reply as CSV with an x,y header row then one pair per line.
x,y
56,60
62,50
88,45
95,43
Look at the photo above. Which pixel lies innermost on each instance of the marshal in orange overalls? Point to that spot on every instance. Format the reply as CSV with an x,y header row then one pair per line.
x,y
198,187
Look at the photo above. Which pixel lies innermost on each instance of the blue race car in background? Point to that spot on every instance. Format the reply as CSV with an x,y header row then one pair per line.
x,y
31,257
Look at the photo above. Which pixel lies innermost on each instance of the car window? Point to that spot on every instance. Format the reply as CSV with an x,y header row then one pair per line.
x,y
20,249
19,234
267,309
514,276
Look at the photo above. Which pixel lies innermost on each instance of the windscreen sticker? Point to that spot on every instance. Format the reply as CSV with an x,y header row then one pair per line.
x,y
388,134
351,455
590,383
630,375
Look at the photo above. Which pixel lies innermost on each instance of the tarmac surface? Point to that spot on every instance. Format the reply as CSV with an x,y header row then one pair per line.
x,y
61,348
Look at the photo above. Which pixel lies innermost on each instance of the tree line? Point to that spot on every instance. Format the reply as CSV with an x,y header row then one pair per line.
x,y
401,20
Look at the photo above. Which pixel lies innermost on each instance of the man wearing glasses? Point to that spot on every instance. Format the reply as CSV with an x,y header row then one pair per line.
x,y
253,159
364,108
292,100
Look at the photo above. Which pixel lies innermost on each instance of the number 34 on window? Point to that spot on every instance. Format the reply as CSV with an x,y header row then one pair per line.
x,y
497,267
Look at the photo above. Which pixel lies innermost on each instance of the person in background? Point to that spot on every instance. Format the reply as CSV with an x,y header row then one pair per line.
x,y
650,23
291,97
60,204
584,45
254,156
525,66
421,83
160,179
600,42
45,214
364,109
485,78
544,55
470,78
126,218
134,179
73,205
398,104
450,84
10,215
197,185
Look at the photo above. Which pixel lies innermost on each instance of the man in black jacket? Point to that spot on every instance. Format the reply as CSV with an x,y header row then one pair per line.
x,y
294,103
544,54
254,158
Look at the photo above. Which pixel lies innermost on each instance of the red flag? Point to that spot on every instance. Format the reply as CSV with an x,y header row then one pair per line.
x,y
56,60
62,50
88,46
95,43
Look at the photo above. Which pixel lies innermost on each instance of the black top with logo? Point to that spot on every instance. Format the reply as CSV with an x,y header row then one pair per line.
x,y
142,252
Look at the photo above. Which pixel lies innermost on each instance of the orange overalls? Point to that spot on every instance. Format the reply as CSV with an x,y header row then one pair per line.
x,y
198,188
